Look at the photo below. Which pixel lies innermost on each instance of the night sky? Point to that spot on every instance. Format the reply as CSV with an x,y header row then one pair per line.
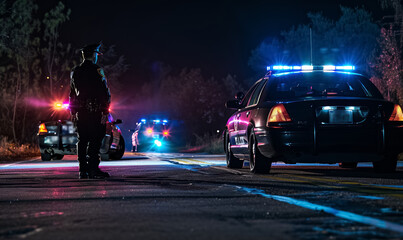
x,y
216,36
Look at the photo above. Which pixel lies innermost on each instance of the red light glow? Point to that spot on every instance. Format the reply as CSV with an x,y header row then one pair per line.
x,y
166,133
149,131
42,128
58,105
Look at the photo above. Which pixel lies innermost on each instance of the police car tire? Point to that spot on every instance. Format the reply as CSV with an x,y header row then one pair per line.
x,y
46,156
387,164
104,156
119,154
257,162
232,161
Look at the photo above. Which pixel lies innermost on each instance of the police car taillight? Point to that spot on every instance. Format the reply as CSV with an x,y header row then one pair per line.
x,y
397,114
278,114
42,128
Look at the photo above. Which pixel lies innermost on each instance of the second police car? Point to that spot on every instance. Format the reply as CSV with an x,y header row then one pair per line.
x,y
323,114
150,135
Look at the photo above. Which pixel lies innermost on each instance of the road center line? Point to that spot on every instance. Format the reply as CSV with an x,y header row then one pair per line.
x,y
383,187
339,184
338,213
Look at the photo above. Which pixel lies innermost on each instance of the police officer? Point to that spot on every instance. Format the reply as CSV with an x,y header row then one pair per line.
x,y
89,105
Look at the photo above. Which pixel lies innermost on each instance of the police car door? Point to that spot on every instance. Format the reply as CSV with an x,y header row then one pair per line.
x,y
245,117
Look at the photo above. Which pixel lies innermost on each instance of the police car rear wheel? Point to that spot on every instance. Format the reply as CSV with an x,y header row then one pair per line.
x,y
387,164
104,156
119,154
257,162
46,156
232,161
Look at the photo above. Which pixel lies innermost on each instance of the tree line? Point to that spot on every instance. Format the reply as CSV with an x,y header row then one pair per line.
x,y
35,66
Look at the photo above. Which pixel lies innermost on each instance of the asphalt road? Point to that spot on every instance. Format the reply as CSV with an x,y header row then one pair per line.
x,y
177,196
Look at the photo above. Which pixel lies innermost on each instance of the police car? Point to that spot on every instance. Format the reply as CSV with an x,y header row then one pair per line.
x,y
151,135
58,137
322,114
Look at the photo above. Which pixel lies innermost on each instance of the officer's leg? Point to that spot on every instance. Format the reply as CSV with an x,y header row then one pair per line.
x,y
82,145
93,152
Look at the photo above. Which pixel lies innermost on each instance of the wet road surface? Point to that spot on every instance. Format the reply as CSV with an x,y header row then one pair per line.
x,y
184,196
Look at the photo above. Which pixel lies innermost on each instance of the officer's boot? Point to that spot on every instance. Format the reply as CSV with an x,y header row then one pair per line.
x,y
83,169
95,172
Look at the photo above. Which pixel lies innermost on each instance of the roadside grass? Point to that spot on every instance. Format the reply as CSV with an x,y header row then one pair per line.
x,y
206,144
10,151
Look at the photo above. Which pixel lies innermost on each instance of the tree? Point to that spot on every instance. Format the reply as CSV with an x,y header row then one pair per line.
x,y
388,64
349,40
196,100
35,66
397,24
114,66
270,51
18,49
54,50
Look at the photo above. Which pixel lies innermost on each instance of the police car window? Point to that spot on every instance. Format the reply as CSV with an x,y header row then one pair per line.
x,y
318,84
255,96
245,100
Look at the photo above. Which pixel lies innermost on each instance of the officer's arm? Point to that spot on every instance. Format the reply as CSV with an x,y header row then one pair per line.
x,y
105,90
73,95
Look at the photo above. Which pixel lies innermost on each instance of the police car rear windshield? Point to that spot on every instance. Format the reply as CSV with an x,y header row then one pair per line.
x,y
314,84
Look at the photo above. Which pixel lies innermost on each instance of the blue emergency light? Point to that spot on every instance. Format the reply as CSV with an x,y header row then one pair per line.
x,y
310,68
158,143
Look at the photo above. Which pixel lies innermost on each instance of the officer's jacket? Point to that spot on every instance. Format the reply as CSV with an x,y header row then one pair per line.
x,y
88,84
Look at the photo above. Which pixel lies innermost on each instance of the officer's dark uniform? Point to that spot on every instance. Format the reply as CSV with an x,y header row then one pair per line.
x,y
89,102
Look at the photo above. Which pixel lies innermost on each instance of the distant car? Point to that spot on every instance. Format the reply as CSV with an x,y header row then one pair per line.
x,y
151,135
58,137
323,114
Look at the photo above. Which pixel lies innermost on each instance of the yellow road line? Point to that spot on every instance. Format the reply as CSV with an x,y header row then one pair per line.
x,y
299,181
347,182
191,161
349,185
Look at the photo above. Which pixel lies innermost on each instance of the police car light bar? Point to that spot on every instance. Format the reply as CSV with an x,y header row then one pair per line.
x,y
309,68
347,68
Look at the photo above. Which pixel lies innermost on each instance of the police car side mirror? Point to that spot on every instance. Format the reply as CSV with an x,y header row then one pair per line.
x,y
239,96
232,104
118,121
